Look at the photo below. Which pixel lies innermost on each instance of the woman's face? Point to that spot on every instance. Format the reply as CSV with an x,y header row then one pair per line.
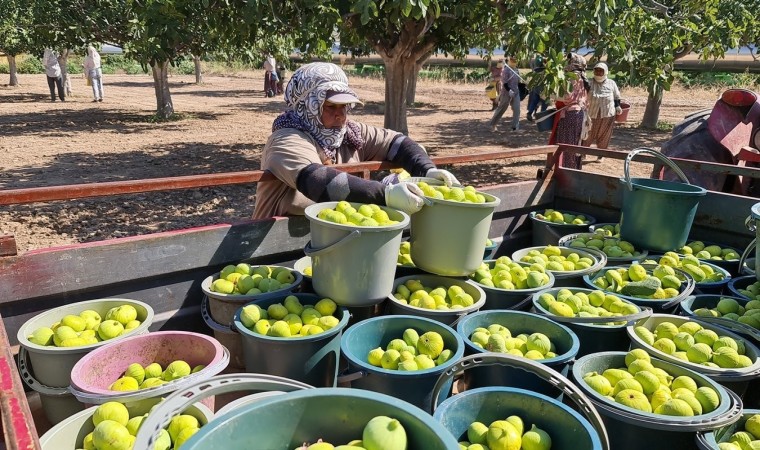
x,y
334,116
599,72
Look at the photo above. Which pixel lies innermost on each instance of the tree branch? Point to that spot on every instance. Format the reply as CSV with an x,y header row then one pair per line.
x,y
658,7
683,52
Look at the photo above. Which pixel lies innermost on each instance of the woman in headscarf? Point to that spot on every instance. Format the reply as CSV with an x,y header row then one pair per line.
x,y
603,105
53,72
572,126
315,132
94,73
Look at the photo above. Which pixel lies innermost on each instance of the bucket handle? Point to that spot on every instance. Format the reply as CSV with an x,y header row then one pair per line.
x,y
26,374
547,374
213,324
311,251
178,401
658,155
748,251
351,376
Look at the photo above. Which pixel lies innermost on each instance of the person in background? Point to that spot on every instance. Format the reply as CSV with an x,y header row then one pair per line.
x,y
315,132
534,98
495,68
281,71
53,72
603,105
94,73
571,122
270,76
509,95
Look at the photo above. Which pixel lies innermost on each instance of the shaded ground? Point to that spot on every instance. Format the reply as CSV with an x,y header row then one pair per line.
x,y
225,124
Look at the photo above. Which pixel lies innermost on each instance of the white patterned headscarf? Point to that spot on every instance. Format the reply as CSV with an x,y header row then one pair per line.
x,y
304,98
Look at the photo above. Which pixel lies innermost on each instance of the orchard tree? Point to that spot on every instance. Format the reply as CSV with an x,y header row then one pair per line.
x,y
15,20
405,33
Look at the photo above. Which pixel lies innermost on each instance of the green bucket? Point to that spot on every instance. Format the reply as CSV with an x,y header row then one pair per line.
x,y
310,359
631,429
518,322
666,305
735,379
70,433
549,233
592,334
449,238
446,316
515,299
571,278
709,440
657,214
567,428
352,265
414,387
286,421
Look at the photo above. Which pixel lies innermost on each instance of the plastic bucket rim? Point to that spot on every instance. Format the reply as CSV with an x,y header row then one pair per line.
x,y
367,367
527,291
311,212
726,274
739,280
709,436
22,334
302,262
543,311
728,373
698,191
244,331
238,298
217,364
591,219
603,404
561,358
687,304
562,274
438,312
441,409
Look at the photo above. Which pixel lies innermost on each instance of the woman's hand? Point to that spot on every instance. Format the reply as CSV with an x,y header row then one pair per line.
x,y
618,110
407,197
444,175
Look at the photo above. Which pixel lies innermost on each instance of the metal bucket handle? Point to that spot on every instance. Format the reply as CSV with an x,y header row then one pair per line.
x,y
178,401
547,374
312,252
658,155
26,374
750,248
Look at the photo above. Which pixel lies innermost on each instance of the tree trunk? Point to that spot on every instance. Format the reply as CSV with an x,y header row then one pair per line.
x,y
411,86
12,70
63,62
164,105
652,111
198,73
398,71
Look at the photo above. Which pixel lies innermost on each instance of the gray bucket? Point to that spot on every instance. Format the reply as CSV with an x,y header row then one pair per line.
x,y
226,336
70,433
516,299
354,266
735,379
708,440
549,233
448,316
57,402
570,278
52,365
449,238
657,214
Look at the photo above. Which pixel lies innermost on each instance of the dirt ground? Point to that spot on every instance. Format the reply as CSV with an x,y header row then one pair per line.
x,y
226,122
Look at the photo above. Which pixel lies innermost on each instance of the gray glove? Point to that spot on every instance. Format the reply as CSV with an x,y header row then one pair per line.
x,y
406,197
444,175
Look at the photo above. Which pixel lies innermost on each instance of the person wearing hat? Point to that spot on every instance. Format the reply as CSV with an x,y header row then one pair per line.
x,y
603,105
571,121
315,133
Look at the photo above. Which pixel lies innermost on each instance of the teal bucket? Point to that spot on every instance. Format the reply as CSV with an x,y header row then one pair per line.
x,y
735,379
414,387
631,429
565,341
514,299
709,440
592,334
309,359
568,429
657,214
286,421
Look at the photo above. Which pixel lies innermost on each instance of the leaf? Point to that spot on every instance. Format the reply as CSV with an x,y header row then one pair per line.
x,y
521,20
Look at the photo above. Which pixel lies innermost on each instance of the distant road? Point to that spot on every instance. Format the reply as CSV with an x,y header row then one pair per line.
x,y
731,63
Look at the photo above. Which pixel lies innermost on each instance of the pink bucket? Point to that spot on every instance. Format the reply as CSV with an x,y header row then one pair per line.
x,y
92,375
623,116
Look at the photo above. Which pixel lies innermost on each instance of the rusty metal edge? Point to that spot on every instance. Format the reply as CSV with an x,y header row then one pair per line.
x,y
18,425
